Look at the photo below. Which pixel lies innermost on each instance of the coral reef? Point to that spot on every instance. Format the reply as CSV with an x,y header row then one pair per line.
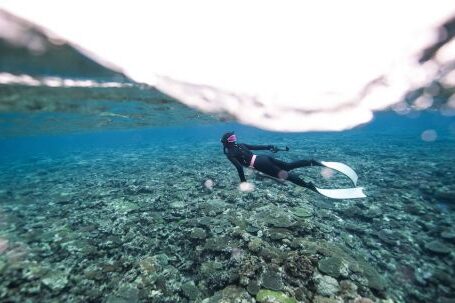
x,y
139,225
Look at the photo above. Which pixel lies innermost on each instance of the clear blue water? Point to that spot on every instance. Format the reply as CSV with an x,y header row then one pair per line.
x,y
123,215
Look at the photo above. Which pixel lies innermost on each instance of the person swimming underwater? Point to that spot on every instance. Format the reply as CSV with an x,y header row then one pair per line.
x,y
240,155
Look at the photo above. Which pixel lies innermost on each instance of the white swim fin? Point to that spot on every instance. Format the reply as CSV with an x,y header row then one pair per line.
x,y
342,193
342,168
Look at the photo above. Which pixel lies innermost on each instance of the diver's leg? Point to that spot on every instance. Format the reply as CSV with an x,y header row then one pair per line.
x,y
296,180
295,164
266,166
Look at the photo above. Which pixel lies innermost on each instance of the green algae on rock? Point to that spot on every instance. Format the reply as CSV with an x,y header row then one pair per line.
x,y
230,294
303,212
270,296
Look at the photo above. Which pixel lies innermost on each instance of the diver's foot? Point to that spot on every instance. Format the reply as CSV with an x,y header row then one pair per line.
x,y
316,163
311,186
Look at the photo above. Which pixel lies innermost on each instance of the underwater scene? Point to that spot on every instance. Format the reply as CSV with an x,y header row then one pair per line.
x,y
113,191
156,214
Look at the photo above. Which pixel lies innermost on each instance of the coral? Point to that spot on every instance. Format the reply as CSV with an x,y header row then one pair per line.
x,y
270,296
272,280
334,267
230,294
56,280
299,266
326,286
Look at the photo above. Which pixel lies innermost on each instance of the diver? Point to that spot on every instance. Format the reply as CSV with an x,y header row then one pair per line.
x,y
240,155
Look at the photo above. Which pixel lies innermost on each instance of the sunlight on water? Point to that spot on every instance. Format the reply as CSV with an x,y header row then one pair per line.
x,y
310,66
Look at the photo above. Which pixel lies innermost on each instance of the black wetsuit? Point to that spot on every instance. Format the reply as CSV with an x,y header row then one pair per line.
x,y
240,155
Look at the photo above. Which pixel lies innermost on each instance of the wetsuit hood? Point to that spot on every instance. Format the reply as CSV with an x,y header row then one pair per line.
x,y
228,137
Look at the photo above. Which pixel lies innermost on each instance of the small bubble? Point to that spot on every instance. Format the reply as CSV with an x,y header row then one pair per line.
x,y
236,253
451,102
283,175
423,102
327,173
429,135
246,187
3,245
209,184
401,108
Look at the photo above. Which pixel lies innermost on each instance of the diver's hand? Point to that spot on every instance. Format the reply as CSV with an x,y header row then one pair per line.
x,y
275,149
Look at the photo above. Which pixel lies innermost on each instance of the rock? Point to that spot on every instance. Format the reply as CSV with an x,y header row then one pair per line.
x,y
217,244
446,196
326,286
272,280
115,299
255,245
148,265
270,253
362,300
334,267
355,228
56,280
303,212
319,299
161,259
270,296
93,273
177,204
2,265
253,287
214,207
437,247
448,235
375,281
348,289
371,213
274,216
230,294
279,233
128,294
388,236
191,291
198,233
216,275
442,277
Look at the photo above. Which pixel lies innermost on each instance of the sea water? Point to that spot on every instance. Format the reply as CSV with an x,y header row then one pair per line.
x,y
155,214
111,191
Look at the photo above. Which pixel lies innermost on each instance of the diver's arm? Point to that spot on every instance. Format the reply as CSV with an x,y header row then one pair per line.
x,y
239,168
259,147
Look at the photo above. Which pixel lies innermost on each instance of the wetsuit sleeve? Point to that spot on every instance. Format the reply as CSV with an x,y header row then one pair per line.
x,y
258,147
239,168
